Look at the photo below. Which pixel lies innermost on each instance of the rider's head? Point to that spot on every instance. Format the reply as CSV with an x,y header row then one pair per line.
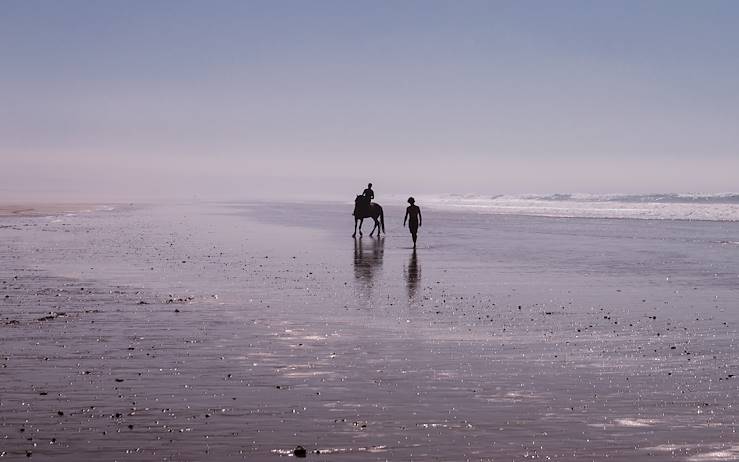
x,y
369,185
411,200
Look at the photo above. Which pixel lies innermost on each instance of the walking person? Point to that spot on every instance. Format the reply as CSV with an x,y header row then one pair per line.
x,y
414,219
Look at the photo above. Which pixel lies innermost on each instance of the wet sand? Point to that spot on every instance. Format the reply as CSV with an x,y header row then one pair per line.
x,y
36,209
240,331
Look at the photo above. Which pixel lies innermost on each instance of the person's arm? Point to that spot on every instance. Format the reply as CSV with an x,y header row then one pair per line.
x,y
406,217
420,219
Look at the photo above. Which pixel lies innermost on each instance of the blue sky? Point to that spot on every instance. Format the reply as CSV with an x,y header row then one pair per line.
x,y
234,98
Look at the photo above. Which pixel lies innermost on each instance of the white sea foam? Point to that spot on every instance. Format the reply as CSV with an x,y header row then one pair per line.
x,y
627,422
701,207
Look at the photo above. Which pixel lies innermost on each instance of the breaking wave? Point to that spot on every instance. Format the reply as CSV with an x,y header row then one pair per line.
x,y
668,206
670,198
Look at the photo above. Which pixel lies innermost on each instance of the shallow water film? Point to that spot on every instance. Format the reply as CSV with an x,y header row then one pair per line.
x,y
263,331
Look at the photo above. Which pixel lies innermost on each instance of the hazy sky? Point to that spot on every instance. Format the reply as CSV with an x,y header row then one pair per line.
x,y
235,98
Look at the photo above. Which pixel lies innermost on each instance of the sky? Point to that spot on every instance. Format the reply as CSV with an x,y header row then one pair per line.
x,y
239,99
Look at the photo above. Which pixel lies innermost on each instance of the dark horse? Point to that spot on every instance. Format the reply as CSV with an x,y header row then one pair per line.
x,y
364,210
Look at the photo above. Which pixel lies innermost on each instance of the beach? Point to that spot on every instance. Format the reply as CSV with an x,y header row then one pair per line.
x,y
35,209
240,331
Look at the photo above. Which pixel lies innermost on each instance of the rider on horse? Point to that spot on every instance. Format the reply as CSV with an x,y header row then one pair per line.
x,y
365,208
367,195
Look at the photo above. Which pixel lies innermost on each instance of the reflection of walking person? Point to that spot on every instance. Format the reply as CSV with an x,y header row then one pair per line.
x,y
412,275
414,213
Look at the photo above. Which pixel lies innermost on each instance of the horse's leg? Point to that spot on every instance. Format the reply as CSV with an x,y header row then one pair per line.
x,y
382,219
376,226
361,221
355,227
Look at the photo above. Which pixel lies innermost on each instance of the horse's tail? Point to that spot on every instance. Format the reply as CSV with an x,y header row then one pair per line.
x,y
382,219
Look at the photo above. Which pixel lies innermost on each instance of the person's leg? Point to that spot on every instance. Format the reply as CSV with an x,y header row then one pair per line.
x,y
414,233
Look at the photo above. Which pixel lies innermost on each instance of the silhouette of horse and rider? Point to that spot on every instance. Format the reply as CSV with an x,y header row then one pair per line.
x,y
365,208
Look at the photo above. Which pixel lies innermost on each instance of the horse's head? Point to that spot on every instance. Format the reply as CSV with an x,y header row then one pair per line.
x,y
359,199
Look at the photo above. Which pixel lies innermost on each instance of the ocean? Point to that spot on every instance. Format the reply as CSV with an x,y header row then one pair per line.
x,y
669,206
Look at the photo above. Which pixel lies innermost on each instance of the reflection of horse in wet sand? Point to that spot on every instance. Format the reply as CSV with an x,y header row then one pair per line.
x,y
366,261
362,210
